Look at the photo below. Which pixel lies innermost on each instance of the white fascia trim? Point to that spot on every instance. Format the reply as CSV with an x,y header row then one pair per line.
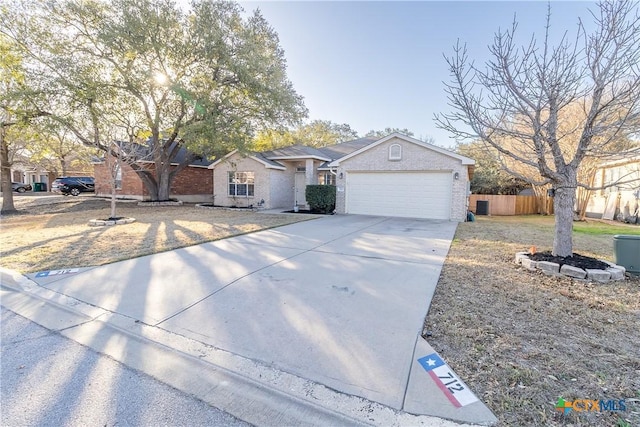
x,y
213,165
463,159
268,165
326,159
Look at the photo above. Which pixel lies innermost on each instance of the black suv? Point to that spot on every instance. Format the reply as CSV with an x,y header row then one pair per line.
x,y
73,185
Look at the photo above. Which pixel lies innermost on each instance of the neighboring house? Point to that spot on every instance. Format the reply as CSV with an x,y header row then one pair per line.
x,y
30,174
27,172
192,184
621,197
395,176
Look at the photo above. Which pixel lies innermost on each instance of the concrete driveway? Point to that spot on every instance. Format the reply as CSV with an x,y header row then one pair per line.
x,y
338,300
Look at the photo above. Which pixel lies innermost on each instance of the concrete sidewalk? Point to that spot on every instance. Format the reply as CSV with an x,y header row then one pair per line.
x,y
333,306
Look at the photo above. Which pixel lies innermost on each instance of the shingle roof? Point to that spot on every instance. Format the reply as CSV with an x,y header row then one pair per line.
x,y
329,153
144,154
339,150
266,160
294,151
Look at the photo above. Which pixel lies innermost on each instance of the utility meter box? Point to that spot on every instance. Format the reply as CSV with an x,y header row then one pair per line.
x,y
626,250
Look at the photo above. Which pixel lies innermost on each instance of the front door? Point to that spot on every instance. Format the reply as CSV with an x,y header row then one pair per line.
x,y
301,186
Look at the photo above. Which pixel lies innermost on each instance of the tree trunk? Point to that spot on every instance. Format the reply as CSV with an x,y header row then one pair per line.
x,y
113,172
5,176
113,201
163,174
563,204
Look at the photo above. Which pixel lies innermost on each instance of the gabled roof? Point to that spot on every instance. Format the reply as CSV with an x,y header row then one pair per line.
x,y
258,157
340,150
332,155
463,159
296,152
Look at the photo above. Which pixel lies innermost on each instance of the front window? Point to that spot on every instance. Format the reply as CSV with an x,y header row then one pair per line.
x,y
241,184
395,152
327,178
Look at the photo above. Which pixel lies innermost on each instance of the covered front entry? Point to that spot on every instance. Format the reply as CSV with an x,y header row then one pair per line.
x,y
300,189
403,194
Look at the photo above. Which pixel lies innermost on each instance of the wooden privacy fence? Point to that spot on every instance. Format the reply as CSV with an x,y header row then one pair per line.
x,y
508,205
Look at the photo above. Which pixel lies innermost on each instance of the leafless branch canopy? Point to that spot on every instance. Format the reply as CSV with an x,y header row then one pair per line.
x,y
550,107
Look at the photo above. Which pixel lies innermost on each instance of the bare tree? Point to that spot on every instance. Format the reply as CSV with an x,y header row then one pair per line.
x,y
522,92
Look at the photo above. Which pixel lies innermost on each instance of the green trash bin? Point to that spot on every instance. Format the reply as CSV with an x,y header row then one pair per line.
x,y
39,186
626,249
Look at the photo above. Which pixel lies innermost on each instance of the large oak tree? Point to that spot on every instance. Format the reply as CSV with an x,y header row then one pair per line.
x,y
206,79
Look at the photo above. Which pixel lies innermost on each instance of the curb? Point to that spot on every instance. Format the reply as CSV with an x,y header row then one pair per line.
x,y
246,389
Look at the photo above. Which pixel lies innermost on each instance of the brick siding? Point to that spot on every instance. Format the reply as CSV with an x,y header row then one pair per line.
x,y
191,181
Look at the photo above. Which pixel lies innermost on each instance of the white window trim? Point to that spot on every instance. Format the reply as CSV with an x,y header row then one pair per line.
x,y
246,184
395,156
327,176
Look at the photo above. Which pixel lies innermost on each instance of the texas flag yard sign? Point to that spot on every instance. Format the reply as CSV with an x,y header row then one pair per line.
x,y
453,387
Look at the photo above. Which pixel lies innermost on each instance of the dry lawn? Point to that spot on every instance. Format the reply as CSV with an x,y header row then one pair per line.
x,y
521,340
52,232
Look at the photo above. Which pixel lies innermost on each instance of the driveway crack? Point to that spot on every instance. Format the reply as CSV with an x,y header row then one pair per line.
x,y
303,251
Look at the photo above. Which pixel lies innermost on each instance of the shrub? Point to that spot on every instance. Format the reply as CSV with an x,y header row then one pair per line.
x,y
321,198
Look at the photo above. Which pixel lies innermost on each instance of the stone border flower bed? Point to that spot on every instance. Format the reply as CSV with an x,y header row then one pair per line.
x,y
109,222
613,272
226,208
165,203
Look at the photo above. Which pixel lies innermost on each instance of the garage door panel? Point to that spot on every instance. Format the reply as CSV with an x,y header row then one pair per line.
x,y
416,195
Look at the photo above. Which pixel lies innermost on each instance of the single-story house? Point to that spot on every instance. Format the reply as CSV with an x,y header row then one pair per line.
x,y
393,176
28,172
192,184
621,196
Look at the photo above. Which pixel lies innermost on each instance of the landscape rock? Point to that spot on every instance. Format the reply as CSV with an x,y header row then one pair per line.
x,y
616,273
520,256
107,222
529,264
598,275
549,267
570,271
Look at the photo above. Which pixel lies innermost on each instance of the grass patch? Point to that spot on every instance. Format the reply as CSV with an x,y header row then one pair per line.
x,y
521,339
599,228
52,233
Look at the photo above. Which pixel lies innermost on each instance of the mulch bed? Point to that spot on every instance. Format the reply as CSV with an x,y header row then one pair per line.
x,y
577,260
211,205
307,211
522,340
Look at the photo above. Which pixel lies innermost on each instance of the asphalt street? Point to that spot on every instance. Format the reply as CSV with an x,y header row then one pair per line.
x,y
49,380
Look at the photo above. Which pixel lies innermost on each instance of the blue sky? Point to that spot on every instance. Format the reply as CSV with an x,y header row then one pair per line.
x,y
380,64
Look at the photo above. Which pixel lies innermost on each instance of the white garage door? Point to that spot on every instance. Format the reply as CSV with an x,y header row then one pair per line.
x,y
406,194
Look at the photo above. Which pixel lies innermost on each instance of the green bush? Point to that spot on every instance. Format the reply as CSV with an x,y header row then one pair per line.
x,y
321,198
